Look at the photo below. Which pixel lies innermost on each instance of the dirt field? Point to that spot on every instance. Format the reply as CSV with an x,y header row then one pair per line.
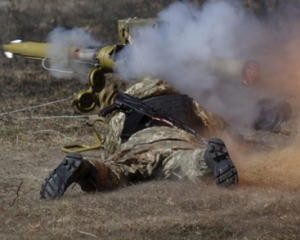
x,y
264,206
153,210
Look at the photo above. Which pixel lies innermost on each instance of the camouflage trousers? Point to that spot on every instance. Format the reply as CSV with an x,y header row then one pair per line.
x,y
155,152
160,153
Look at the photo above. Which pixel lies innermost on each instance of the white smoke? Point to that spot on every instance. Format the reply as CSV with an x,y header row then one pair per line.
x,y
184,50
60,40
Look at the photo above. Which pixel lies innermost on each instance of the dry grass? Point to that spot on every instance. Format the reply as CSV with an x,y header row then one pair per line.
x,y
30,149
153,210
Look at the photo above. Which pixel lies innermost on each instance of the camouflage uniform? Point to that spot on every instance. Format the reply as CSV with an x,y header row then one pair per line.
x,y
178,153
155,152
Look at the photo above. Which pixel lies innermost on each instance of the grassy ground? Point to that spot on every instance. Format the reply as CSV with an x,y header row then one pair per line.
x,y
264,206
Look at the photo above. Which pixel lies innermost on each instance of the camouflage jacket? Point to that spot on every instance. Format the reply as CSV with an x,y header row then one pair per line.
x,y
161,152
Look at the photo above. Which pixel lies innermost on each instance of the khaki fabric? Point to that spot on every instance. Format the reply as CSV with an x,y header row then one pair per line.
x,y
161,153
156,152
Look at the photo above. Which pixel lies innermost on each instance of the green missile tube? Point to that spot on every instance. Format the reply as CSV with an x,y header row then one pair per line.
x,y
246,71
103,57
32,50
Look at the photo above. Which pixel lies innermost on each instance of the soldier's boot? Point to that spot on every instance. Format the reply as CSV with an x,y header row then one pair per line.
x,y
73,168
218,160
100,178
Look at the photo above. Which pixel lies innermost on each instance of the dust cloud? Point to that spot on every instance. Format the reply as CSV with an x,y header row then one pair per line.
x,y
202,50
268,159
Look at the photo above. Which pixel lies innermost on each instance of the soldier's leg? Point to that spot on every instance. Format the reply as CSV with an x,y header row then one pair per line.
x,y
185,164
91,176
193,164
218,160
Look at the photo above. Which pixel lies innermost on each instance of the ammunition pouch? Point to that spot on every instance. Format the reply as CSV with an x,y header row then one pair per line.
x,y
177,105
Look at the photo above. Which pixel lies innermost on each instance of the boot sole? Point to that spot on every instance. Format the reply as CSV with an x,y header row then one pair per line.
x,y
226,174
54,186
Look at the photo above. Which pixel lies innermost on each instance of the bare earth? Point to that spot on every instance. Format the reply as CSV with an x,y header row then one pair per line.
x,y
153,210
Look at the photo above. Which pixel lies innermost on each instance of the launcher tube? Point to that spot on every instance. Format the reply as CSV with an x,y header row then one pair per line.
x,y
27,49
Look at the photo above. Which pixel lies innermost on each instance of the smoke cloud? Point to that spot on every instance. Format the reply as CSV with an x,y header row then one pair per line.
x,y
60,41
186,51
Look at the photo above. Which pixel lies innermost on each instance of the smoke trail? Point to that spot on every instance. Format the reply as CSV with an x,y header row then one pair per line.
x,y
60,40
185,50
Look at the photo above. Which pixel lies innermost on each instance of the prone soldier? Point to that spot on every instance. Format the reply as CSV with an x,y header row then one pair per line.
x,y
153,151
137,149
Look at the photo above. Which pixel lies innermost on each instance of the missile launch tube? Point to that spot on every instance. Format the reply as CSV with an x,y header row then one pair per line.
x,y
102,56
245,71
27,49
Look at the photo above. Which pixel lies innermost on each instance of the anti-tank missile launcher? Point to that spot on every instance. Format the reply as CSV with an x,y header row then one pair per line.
x,y
243,71
101,60
98,56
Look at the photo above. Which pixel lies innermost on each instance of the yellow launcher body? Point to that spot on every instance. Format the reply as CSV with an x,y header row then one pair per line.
x,y
27,49
36,50
102,57
234,70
